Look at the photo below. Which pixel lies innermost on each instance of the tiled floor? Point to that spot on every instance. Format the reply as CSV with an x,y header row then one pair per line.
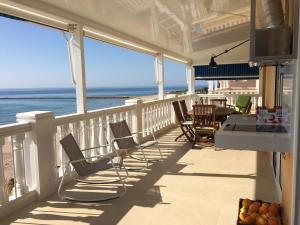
x,y
198,186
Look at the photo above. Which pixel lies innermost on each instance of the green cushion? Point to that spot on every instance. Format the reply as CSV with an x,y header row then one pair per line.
x,y
242,103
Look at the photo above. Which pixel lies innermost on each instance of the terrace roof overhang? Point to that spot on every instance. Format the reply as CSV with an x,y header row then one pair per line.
x,y
186,31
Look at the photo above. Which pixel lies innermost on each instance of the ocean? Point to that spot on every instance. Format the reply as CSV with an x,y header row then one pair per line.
x,y
62,100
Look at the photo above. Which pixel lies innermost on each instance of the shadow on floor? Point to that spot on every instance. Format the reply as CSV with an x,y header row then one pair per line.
x,y
113,211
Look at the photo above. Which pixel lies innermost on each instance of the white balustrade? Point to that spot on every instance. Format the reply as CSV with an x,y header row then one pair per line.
x,y
39,159
231,99
16,178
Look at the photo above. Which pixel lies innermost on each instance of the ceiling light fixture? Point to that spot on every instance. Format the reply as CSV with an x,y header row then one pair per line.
x,y
213,63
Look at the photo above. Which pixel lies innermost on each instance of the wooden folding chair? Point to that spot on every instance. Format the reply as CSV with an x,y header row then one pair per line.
x,y
204,123
184,110
185,126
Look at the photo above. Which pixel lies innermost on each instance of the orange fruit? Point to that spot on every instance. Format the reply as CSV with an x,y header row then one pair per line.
x,y
253,207
275,205
248,220
257,203
265,204
272,214
242,216
254,215
273,221
263,210
273,210
246,203
261,221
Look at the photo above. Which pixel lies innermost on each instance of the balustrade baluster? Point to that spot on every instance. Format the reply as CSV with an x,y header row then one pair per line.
x,y
102,134
86,125
109,134
143,123
95,136
122,116
19,165
129,119
162,115
151,119
29,161
147,118
156,118
77,132
159,117
65,130
58,151
164,118
165,114
169,113
117,117
3,195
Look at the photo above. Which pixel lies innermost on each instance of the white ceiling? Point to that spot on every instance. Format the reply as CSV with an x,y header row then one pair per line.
x,y
194,29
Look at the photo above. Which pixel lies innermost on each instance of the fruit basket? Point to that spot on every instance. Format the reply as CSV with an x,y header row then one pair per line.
x,y
257,212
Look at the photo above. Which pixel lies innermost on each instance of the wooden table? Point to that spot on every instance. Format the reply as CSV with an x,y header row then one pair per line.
x,y
219,112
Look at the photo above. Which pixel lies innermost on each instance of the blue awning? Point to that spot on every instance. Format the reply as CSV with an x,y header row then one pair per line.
x,y
241,71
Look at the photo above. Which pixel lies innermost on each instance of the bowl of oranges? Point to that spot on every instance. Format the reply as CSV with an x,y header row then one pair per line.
x,y
259,213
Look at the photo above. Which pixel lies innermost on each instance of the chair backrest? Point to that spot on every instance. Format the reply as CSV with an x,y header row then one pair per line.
x,y
178,113
120,130
248,110
184,109
204,116
220,102
73,151
242,103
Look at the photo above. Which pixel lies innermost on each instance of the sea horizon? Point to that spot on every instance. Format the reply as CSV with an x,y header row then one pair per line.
x,y
62,101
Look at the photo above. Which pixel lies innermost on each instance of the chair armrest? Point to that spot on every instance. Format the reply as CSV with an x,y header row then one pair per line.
x,y
95,156
120,138
151,132
88,149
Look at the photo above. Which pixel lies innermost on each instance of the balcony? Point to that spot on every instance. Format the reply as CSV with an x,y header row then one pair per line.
x,y
199,185
190,186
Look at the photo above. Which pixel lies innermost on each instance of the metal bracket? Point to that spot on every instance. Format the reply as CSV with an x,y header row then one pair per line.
x,y
72,27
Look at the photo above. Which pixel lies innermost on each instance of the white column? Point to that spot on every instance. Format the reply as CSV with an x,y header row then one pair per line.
x,y
210,86
159,74
226,84
190,76
42,144
78,64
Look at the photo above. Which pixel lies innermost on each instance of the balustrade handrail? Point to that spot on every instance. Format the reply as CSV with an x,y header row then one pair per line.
x,y
14,128
228,95
70,118
169,99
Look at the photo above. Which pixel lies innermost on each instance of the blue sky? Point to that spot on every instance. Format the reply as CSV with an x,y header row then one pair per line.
x,y
36,56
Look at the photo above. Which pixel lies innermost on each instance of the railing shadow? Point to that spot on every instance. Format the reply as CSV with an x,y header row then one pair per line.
x,y
113,211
